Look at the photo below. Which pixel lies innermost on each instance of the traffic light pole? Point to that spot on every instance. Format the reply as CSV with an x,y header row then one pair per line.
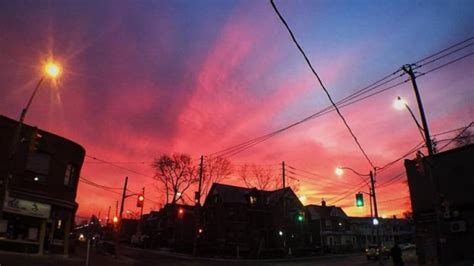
x,y
143,203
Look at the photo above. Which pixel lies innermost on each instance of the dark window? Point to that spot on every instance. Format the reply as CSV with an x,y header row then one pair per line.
x,y
39,164
70,175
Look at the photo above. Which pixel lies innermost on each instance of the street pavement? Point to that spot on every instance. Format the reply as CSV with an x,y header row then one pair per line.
x,y
139,257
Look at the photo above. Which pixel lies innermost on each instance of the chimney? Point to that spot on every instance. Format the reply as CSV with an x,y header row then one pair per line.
x,y
323,203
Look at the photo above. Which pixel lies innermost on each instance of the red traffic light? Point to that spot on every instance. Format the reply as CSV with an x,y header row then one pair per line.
x,y
140,200
180,212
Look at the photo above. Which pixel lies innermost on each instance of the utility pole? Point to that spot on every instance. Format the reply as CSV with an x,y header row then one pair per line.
x,y
408,69
377,225
197,207
108,216
143,203
123,200
116,208
372,184
198,196
283,173
117,236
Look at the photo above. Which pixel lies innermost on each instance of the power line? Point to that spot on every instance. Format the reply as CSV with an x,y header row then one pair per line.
x,y
457,136
394,199
118,166
444,50
362,184
321,83
233,150
100,187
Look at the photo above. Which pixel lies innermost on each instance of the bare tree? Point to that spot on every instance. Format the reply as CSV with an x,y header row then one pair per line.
x,y
215,170
176,173
257,176
464,138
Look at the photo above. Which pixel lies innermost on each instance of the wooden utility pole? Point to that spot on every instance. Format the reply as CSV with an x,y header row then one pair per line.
x,y
198,196
143,203
108,216
117,236
429,144
123,200
197,207
283,173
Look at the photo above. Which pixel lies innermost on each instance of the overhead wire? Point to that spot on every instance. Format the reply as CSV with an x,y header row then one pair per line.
x,y
321,83
457,136
233,150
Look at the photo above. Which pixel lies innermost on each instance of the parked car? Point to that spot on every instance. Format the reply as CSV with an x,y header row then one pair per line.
x,y
376,252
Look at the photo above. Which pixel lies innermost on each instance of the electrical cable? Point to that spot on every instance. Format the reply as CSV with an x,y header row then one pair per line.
x,y
322,85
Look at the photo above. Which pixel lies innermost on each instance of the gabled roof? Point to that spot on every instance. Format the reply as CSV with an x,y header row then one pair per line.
x,y
234,194
325,212
228,193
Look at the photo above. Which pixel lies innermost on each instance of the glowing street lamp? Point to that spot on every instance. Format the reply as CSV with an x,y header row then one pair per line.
x,y
399,103
53,70
339,171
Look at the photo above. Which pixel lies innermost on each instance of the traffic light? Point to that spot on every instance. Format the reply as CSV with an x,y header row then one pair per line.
x,y
300,217
115,220
180,213
140,200
35,140
359,200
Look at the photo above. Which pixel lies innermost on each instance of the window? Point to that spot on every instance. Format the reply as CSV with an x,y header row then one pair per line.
x,y
39,164
253,200
70,176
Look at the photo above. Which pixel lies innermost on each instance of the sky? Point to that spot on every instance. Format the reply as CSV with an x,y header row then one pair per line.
x,y
146,78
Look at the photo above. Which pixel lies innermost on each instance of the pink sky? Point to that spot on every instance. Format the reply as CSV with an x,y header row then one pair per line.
x,y
159,78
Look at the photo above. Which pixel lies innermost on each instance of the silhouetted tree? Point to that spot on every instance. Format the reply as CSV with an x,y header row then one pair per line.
x,y
215,170
257,176
176,173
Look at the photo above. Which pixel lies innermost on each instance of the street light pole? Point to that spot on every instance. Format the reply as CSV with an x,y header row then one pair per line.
x,y
408,69
52,70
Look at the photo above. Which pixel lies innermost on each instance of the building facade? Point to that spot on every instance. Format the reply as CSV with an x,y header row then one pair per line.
x,y
390,231
253,222
441,189
38,188
330,228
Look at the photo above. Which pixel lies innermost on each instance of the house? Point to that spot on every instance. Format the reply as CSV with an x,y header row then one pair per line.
x,y
251,222
390,230
173,227
38,183
441,188
329,228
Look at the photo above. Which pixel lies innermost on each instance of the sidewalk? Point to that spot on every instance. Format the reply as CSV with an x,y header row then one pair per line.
x,y
77,259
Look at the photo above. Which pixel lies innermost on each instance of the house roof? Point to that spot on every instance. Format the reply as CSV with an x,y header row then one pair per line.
x,y
234,194
325,212
228,193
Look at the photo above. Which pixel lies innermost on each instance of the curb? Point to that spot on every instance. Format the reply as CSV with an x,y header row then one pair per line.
x,y
190,257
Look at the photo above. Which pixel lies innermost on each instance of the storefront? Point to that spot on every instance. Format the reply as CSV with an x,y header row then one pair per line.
x,y
24,225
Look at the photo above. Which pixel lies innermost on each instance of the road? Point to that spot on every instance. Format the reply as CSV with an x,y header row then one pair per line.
x,y
139,257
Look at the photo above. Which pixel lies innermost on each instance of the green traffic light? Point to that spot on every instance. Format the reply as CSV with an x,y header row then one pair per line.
x,y
300,218
359,200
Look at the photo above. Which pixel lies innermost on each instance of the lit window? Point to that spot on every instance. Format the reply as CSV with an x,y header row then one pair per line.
x,y
253,200
70,175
